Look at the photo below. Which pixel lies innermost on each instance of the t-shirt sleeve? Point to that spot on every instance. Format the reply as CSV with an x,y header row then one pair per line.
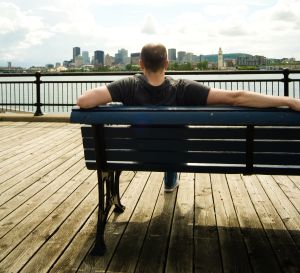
x,y
194,93
121,90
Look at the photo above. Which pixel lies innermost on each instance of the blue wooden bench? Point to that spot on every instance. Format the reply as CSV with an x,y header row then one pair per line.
x,y
184,139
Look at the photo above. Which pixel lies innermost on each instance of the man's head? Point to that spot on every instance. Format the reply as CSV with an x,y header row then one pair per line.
x,y
154,57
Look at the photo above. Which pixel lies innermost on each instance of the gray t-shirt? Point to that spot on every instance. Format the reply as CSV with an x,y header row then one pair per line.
x,y
136,91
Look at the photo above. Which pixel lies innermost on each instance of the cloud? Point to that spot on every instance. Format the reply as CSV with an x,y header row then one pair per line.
x,y
19,31
45,31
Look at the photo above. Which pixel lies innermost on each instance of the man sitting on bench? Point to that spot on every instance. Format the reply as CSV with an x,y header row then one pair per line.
x,y
154,88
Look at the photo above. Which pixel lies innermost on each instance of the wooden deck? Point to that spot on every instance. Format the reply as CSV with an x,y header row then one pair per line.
x,y
212,223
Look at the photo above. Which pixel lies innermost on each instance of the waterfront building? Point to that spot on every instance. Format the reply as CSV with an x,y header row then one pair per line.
x,y
99,58
252,60
108,60
135,58
78,61
85,58
172,54
122,57
9,66
76,52
181,56
229,63
67,63
220,59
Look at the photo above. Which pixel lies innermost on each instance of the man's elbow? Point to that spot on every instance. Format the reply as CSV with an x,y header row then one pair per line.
x,y
238,98
82,103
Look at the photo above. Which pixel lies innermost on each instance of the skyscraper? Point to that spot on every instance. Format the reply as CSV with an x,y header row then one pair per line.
x,y
85,57
181,56
99,57
172,54
135,58
76,52
122,56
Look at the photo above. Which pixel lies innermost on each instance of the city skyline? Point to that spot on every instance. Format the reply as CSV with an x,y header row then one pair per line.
x,y
36,33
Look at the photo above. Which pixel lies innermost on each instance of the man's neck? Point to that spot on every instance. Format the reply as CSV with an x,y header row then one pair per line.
x,y
155,78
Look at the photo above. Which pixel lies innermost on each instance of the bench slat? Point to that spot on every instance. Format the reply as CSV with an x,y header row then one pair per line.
x,y
175,157
280,159
277,133
276,146
175,145
177,133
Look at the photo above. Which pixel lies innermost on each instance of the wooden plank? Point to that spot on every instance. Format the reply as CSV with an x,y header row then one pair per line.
x,y
46,133
288,213
174,144
276,146
126,256
260,252
23,204
152,257
54,247
207,258
177,157
279,133
116,225
296,180
46,147
19,137
233,249
76,252
281,241
180,254
277,159
13,176
22,147
15,185
34,231
33,150
204,132
290,190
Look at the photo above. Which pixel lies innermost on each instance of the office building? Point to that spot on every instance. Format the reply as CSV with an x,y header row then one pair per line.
x,y
99,58
135,58
85,58
172,54
251,60
78,61
181,56
108,60
122,57
76,52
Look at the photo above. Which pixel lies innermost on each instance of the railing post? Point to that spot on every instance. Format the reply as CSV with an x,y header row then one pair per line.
x,y
38,104
286,80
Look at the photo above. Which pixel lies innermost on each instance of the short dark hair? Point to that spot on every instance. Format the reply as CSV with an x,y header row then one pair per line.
x,y
154,56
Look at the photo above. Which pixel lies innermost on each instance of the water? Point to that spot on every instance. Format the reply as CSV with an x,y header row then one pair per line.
x,y
66,89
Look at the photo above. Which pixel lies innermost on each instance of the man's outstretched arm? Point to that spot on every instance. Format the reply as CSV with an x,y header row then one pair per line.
x,y
97,96
250,99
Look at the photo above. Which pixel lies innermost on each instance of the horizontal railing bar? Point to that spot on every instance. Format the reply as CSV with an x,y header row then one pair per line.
x,y
204,80
126,73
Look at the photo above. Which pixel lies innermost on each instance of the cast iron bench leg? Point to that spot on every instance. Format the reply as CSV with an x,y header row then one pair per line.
x,y
112,196
119,208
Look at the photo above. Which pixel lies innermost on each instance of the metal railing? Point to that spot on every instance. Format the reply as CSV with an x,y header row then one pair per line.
x,y
57,92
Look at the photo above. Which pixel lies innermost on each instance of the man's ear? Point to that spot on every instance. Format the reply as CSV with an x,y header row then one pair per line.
x,y
142,64
166,64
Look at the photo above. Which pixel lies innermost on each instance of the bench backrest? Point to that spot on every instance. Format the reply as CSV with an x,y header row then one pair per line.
x,y
231,140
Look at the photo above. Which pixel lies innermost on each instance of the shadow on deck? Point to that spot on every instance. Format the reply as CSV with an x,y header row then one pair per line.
x,y
212,223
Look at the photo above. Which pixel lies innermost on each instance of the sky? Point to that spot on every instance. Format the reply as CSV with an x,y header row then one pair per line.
x,y
45,31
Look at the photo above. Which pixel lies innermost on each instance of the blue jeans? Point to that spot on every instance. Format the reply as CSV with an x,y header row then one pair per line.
x,y
170,179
